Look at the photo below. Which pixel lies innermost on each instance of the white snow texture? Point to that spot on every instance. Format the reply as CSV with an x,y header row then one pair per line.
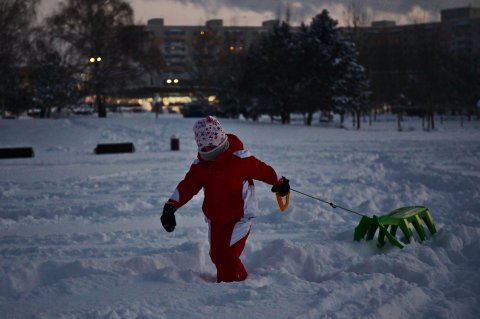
x,y
81,237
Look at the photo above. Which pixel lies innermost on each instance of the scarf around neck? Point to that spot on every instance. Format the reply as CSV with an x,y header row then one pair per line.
x,y
211,155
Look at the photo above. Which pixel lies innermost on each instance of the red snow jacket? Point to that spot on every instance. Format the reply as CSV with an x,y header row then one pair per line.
x,y
223,181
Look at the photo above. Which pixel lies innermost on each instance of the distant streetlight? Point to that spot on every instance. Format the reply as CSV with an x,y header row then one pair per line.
x,y
95,60
174,81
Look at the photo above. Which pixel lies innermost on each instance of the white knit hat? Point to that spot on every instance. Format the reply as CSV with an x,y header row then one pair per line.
x,y
208,132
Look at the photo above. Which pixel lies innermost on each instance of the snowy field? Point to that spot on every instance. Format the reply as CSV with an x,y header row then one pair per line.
x,y
80,235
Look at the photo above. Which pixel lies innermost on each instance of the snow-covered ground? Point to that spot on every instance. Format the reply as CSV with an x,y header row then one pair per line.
x,y
80,235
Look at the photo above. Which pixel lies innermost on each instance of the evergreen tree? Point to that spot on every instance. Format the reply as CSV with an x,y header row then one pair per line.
x,y
351,89
317,42
273,72
309,70
331,75
231,94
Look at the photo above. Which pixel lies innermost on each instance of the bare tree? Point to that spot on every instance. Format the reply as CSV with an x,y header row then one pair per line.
x,y
93,33
356,14
16,20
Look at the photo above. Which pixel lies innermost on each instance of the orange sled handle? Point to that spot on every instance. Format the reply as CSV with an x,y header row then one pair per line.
x,y
283,205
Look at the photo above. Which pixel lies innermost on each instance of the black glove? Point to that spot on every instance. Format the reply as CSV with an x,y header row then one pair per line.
x,y
168,217
283,188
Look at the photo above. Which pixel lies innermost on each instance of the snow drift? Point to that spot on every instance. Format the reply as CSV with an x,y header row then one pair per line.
x,y
81,237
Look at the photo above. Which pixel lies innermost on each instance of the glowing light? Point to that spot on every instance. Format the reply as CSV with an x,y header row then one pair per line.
x,y
176,81
169,81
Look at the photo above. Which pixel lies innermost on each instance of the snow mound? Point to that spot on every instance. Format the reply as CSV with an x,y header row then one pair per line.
x,y
81,237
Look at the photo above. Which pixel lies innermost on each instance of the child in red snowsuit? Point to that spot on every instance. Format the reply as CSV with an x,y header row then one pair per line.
x,y
225,171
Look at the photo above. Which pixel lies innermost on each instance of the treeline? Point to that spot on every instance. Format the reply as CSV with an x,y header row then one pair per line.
x,y
93,48
322,68
85,47
424,79
311,69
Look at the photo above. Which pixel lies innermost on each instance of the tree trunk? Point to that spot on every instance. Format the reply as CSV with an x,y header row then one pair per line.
x,y
358,119
285,116
102,110
461,118
4,112
432,118
309,118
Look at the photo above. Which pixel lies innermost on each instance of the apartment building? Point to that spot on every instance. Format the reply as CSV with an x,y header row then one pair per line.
x,y
177,44
458,32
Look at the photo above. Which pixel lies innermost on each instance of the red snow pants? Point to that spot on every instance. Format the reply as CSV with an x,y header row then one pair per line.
x,y
225,257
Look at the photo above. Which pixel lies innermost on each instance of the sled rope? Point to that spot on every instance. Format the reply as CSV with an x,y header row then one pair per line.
x,y
329,203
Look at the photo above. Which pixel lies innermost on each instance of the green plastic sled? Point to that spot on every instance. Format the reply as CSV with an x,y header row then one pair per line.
x,y
401,217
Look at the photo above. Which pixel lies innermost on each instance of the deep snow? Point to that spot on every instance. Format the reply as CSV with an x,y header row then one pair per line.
x,y
81,237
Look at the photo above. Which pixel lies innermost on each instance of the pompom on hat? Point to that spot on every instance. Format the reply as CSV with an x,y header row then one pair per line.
x,y
208,132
